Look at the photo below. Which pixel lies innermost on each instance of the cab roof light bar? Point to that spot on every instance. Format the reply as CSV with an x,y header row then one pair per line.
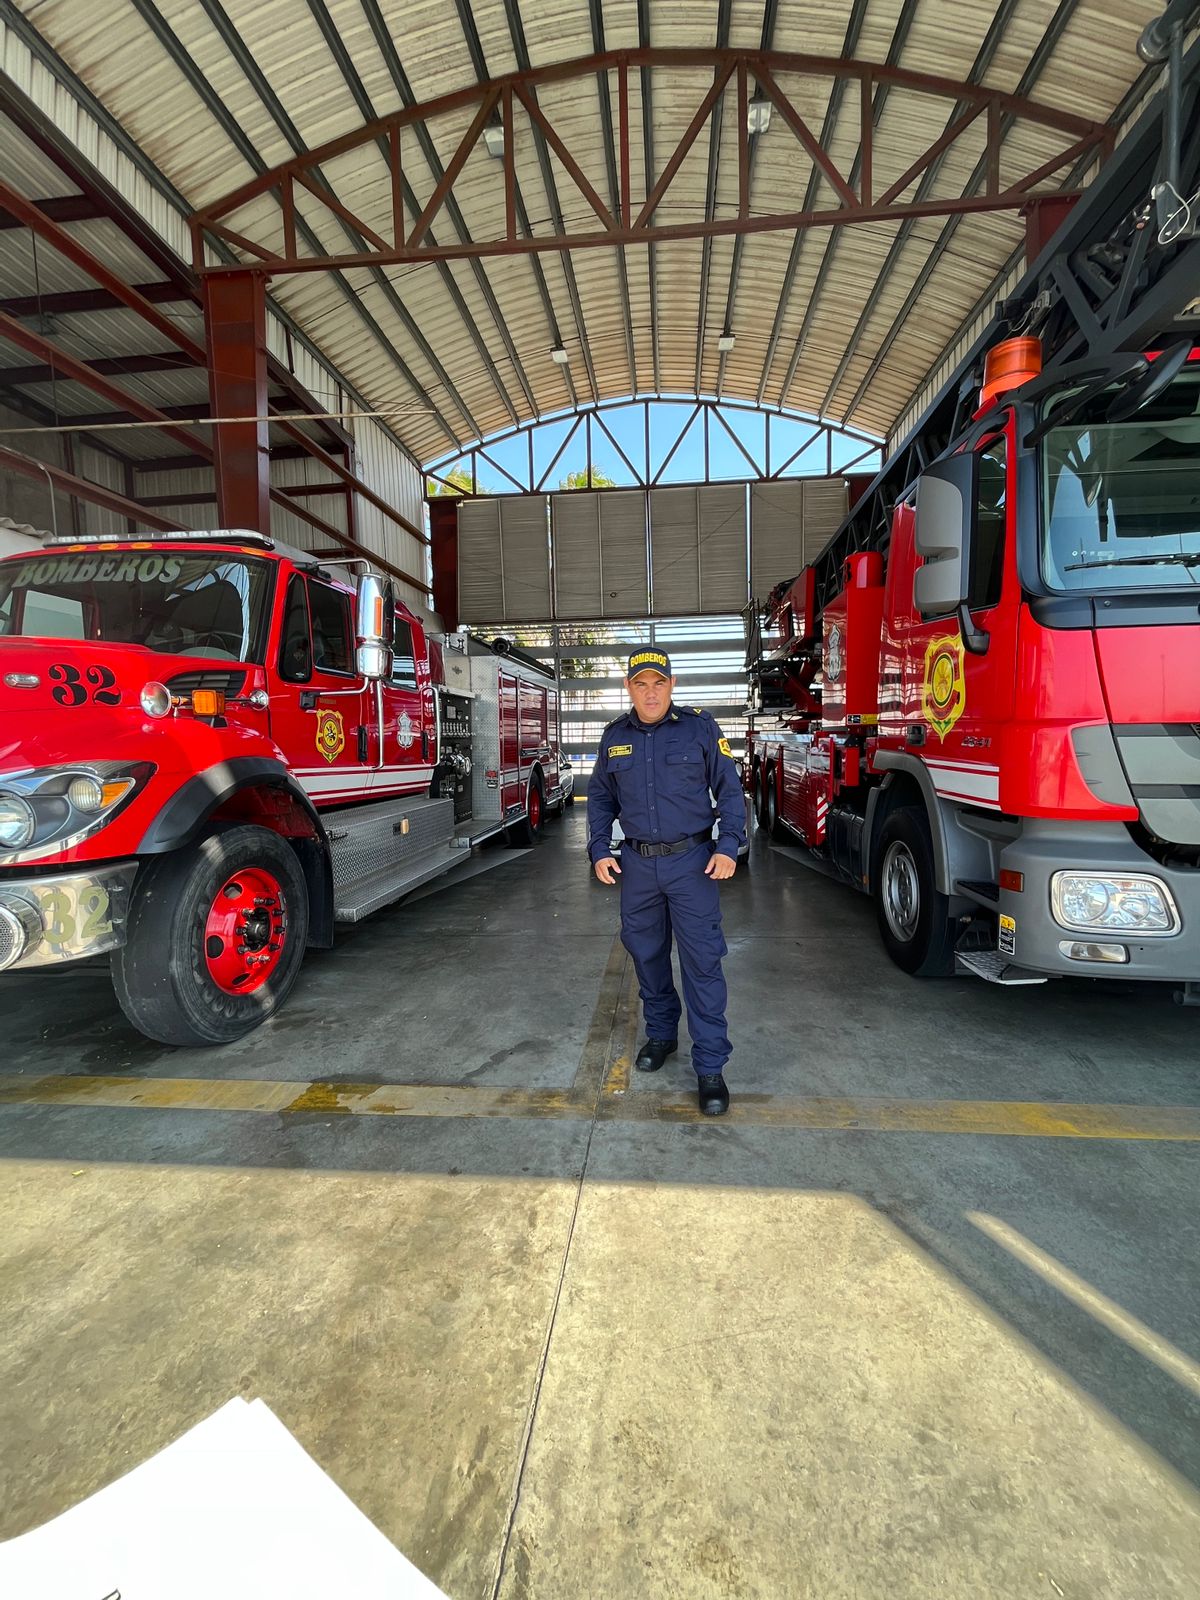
x,y
186,536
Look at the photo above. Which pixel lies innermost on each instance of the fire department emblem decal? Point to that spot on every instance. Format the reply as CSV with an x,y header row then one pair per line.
x,y
835,654
331,736
944,691
405,732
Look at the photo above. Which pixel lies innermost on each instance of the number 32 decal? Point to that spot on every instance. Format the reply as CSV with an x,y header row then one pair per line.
x,y
69,690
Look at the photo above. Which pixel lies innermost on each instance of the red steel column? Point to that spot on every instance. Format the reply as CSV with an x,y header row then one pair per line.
x,y
235,335
443,533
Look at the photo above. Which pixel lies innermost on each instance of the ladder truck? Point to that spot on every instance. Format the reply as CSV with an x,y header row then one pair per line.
x,y
981,704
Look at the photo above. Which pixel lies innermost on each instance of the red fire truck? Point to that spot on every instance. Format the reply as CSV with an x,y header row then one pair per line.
x,y
991,720
214,747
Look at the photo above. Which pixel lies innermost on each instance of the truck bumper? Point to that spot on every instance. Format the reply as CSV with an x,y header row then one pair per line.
x,y
46,920
1038,940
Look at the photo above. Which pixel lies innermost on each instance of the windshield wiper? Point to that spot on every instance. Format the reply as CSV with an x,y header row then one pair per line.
x,y
1173,558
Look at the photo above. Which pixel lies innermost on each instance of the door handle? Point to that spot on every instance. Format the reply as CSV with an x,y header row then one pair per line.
x,y
362,744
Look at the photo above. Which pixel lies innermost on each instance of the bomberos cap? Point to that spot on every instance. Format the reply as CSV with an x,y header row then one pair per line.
x,y
649,661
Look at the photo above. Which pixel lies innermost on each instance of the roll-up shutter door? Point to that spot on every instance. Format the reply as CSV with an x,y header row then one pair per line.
x,y
503,560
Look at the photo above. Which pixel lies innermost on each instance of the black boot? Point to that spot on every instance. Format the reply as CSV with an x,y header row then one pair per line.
x,y
712,1094
654,1052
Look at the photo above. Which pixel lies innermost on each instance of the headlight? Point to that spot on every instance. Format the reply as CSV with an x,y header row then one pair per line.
x,y
52,808
17,822
1092,900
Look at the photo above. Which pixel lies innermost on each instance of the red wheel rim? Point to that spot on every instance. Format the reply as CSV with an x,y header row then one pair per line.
x,y
535,805
245,932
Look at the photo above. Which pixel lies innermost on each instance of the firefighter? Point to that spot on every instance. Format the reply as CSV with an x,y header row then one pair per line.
x,y
659,768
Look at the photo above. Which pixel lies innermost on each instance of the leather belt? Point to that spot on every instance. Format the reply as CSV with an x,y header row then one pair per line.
x,y
646,849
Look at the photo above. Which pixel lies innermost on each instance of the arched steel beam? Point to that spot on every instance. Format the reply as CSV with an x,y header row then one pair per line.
x,y
631,224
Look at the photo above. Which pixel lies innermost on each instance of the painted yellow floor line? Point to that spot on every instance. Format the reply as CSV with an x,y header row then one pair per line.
x,y
1031,1118
1028,1118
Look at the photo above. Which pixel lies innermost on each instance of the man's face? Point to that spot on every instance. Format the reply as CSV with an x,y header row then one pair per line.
x,y
651,694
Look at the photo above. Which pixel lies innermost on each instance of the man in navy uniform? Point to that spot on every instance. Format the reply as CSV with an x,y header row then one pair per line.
x,y
659,768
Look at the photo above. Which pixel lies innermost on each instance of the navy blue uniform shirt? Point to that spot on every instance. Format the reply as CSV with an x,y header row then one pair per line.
x,y
657,780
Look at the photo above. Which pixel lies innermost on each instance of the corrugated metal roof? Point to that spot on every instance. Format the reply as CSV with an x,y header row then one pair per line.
x,y
210,108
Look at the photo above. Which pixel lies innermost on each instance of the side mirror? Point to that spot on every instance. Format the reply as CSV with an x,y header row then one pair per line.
x,y
374,626
943,532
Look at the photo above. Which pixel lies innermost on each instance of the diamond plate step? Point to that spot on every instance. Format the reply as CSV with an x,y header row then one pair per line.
x,y
382,851
993,967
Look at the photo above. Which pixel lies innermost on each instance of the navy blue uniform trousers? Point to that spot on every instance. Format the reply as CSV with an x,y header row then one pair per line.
x,y
663,896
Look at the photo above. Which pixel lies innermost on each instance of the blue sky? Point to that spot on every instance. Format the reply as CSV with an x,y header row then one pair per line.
x,y
626,423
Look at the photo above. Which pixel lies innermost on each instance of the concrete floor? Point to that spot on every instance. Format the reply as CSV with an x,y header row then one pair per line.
x,y
894,1327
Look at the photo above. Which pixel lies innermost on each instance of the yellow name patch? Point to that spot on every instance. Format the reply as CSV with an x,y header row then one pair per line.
x,y
723,747
619,750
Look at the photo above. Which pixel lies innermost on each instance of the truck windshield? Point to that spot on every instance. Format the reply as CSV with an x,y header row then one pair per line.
x,y
195,605
1121,506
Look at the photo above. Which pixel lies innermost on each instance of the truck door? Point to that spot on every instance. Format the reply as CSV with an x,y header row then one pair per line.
x,y
963,701
406,763
321,711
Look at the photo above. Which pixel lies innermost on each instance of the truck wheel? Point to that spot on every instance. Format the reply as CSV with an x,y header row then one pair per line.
x,y
758,799
914,919
772,823
215,939
529,830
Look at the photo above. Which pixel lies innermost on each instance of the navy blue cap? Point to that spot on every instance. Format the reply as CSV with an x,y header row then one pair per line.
x,y
649,661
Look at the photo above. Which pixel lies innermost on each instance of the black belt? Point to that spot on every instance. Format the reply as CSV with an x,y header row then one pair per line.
x,y
673,849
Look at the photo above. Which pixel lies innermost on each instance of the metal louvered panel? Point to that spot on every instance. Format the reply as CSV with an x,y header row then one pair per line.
x,y
525,558
776,548
826,503
575,534
791,522
625,589
722,534
480,562
673,552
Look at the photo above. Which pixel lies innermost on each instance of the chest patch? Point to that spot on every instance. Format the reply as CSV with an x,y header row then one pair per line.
x,y
619,750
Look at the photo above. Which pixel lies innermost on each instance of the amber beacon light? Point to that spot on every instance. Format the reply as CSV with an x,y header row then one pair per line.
x,y
1009,365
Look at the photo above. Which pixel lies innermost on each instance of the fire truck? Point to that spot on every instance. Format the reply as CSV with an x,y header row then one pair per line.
x,y
214,747
981,703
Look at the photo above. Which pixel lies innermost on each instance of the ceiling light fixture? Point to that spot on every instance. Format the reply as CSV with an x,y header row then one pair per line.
x,y
559,356
725,342
758,115
493,137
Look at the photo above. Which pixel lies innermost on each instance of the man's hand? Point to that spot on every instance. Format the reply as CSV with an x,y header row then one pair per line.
x,y
719,867
605,868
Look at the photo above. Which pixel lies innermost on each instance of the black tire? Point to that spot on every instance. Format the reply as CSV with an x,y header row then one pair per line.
x,y
164,976
525,833
914,917
774,826
759,799
570,800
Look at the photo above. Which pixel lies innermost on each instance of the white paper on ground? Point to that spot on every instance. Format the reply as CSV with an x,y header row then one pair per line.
x,y
235,1508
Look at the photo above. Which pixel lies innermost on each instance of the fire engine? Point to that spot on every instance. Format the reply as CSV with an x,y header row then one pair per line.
x,y
980,704
993,725
214,747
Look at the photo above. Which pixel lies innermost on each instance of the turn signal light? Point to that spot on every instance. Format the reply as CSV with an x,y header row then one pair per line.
x,y
1014,882
208,702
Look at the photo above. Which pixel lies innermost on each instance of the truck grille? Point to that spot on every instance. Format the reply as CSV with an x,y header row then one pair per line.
x,y
230,683
1162,763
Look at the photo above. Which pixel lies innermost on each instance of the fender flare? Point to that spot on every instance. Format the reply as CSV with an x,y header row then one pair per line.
x,y
957,854
184,817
